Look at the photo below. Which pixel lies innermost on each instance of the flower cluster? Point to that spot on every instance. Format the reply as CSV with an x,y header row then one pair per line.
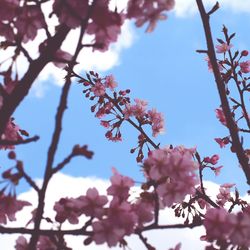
x,y
44,242
118,105
149,11
173,172
12,133
20,22
110,221
225,229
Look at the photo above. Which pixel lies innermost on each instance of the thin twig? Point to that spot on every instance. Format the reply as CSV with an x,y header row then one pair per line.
x,y
18,142
233,129
57,132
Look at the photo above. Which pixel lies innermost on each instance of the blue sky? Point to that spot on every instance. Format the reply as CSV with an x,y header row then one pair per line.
x,y
162,68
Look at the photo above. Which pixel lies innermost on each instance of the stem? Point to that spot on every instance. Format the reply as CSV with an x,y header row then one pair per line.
x,y
56,136
233,129
18,142
12,101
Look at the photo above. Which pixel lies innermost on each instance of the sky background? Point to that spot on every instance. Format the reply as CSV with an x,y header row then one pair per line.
x,y
162,68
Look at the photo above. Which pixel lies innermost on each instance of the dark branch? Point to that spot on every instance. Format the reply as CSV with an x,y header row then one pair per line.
x,y
232,126
8,143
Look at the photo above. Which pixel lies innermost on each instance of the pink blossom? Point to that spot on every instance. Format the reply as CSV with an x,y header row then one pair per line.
x,y
144,211
223,48
6,31
61,58
217,170
245,67
71,12
121,214
224,195
137,110
106,232
21,243
67,209
175,172
9,207
120,185
45,243
11,133
110,82
157,120
8,9
221,116
240,229
105,124
105,25
92,203
213,160
222,141
210,67
98,89
29,21
149,11
216,223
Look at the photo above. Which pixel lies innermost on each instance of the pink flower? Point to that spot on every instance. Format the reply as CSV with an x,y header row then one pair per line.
x,y
61,58
21,243
240,229
157,121
144,211
175,172
216,223
29,21
245,67
71,12
45,243
105,25
106,232
9,207
121,214
224,194
11,133
149,11
221,116
8,9
105,124
67,209
210,67
223,48
222,141
213,160
137,110
217,170
120,185
99,89
92,203
110,82
6,31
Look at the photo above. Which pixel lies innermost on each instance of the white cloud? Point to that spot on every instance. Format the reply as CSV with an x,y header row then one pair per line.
x,y
185,8
88,60
66,186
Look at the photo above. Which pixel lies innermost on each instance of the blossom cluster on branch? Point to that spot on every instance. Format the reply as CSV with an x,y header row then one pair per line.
x,y
173,175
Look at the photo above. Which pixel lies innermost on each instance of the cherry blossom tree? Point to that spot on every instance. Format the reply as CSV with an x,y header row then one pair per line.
x,y
173,175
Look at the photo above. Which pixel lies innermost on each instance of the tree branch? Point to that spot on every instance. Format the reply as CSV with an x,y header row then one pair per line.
x,y
233,129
